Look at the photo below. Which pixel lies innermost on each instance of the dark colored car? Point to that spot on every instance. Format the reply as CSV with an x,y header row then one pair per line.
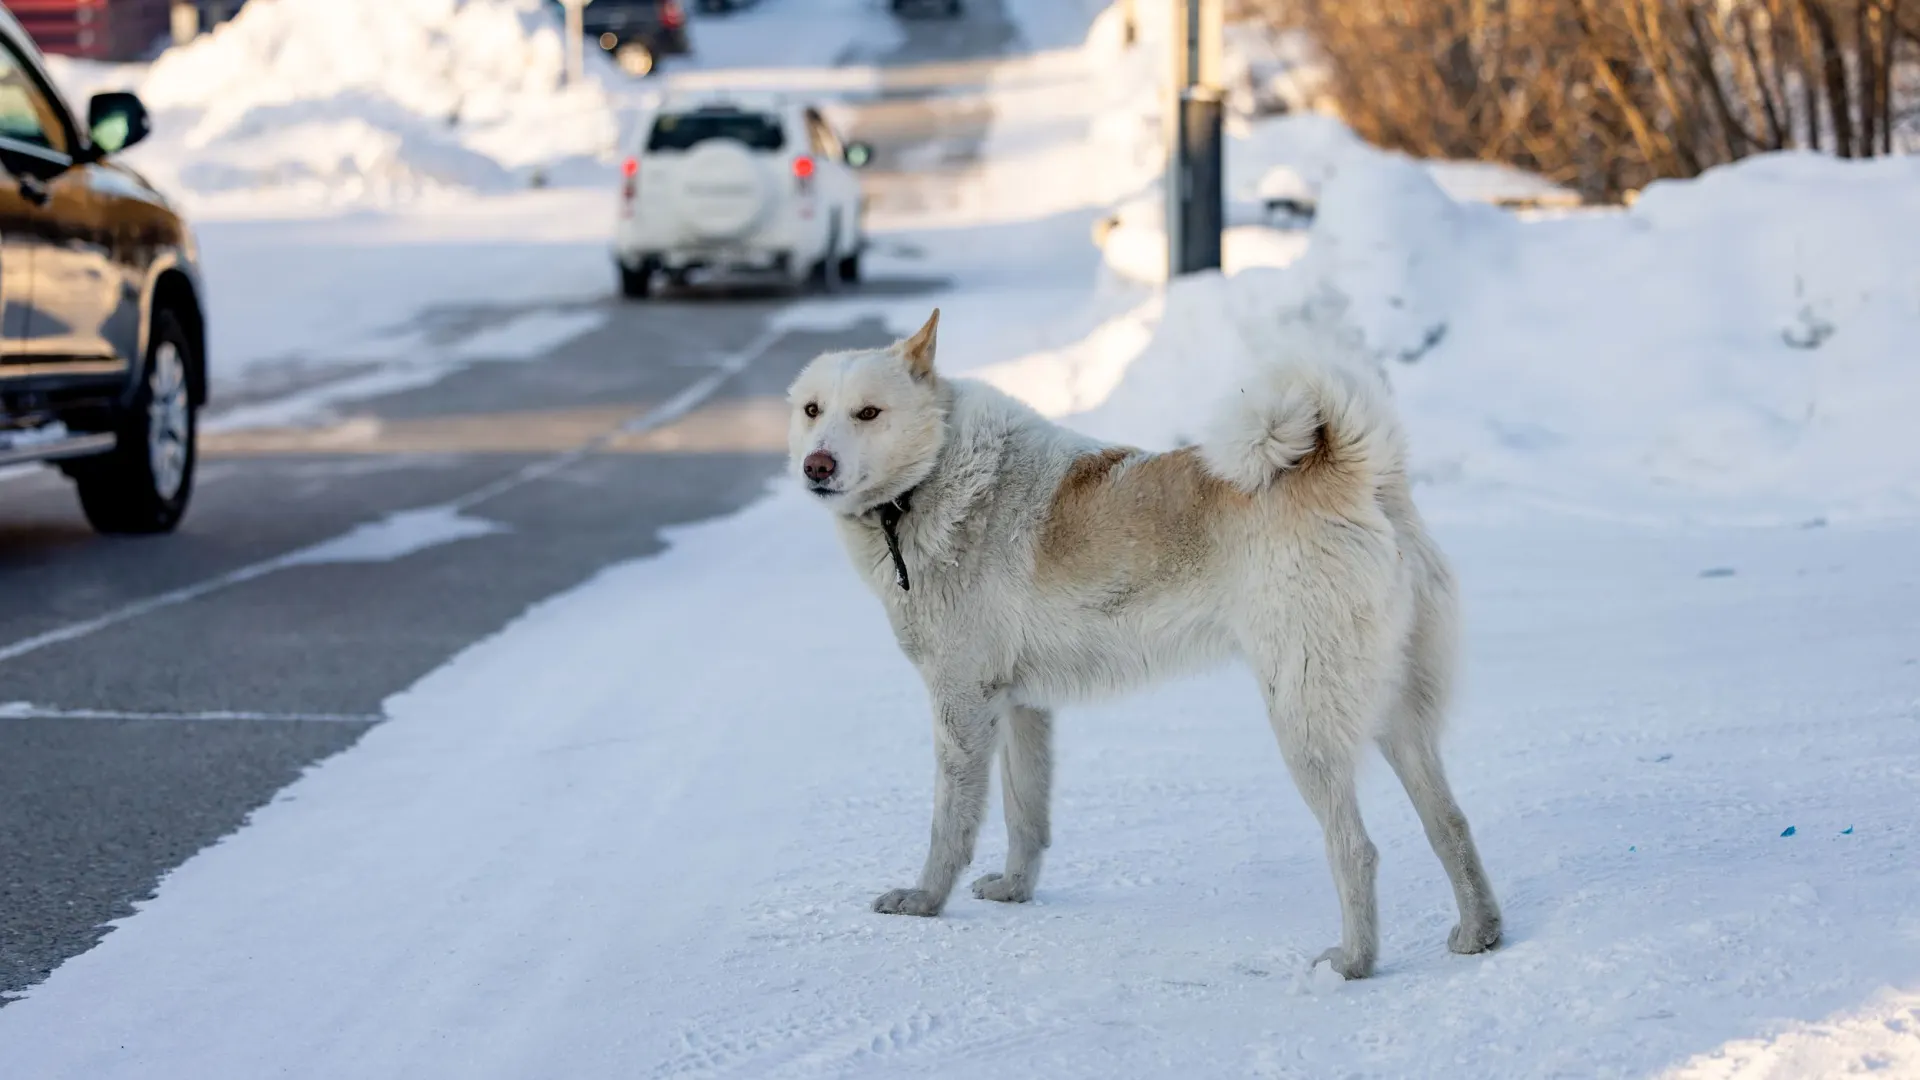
x,y
636,33
102,337
951,8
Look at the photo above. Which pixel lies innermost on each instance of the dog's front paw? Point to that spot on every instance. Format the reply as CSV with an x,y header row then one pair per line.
x,y
907,902
1474,935
1007,889
1347,967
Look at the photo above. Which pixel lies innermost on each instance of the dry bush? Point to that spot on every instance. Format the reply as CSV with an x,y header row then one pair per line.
x,y
1607,95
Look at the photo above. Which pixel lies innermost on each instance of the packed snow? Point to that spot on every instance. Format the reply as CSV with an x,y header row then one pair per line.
x,y
780,34
1670,451
372,102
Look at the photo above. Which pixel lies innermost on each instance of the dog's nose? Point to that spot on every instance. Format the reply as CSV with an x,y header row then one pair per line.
x,y
819,466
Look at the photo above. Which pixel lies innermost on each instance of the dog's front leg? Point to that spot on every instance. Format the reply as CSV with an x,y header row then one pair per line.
x,y
964,732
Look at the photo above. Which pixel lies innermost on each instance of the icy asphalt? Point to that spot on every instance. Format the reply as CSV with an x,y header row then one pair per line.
x,y
153,692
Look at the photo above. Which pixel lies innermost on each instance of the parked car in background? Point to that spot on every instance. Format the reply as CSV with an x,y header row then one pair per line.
x,y
740,184
636,33
95,29
102,336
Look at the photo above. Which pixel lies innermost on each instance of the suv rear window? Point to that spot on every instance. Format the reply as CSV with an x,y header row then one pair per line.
x,y
683,131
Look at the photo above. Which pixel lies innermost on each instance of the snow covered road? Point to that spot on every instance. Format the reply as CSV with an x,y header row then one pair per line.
x,y
635,834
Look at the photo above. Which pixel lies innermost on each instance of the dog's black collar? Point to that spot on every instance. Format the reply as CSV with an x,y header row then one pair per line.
x,y
890,515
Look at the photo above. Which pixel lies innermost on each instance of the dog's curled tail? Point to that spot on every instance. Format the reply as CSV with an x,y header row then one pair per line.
x,y
1331,422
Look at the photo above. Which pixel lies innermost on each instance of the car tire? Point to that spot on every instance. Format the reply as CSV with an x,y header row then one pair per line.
x,y
143,485
636,283
849,269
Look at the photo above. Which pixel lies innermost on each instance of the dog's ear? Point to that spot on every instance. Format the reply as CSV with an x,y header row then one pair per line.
x,y
917,350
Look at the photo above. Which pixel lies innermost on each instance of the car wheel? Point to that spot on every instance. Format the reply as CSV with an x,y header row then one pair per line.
x,y
849,269
636,283
144,484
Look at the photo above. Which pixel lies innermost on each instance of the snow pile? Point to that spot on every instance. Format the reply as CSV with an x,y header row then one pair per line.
x,y
1075,129
1276,168
1268,71
375,100
1739,346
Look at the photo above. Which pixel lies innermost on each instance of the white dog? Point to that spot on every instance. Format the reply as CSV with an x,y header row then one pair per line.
x,y
1024,566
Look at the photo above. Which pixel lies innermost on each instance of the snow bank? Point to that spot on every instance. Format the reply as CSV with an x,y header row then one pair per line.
x,y
1293,159
375,100
1739,346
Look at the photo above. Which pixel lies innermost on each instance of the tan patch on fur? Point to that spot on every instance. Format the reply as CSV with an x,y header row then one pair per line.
x,y
1326,480
1123,521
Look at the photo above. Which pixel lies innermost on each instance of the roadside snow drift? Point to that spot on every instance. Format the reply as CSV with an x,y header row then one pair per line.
x,y
1741,346
375,100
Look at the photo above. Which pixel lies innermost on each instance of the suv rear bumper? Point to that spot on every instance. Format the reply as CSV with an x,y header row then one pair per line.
x,y
733,260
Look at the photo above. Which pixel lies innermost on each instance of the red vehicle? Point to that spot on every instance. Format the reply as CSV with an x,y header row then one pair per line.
x,y
94,29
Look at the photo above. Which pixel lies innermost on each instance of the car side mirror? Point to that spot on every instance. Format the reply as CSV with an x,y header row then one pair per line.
x,y
858,154
115,121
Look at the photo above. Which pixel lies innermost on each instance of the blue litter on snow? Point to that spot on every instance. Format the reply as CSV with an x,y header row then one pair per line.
x,y
1789,831
1848,831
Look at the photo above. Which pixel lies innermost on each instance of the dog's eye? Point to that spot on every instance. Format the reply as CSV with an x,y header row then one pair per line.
x,y
867,413
812,410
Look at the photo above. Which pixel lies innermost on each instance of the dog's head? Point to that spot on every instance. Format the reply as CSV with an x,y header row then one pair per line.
x,y
867,425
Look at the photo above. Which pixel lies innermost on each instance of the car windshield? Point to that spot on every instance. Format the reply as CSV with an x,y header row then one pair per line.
x,y
682,131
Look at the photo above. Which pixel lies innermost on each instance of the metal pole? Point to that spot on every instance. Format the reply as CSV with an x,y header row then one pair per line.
x,y
1195,151
1193,41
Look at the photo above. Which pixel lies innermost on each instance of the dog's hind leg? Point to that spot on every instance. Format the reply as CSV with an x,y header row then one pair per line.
x,y
1026,781
1411,743
1322,711
965,729
1415,758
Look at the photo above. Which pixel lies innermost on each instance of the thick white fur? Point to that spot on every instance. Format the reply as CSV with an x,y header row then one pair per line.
x,y
1047,568
1268,427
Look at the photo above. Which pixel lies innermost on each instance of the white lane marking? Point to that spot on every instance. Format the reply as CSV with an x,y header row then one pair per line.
x,y
23,710
664,413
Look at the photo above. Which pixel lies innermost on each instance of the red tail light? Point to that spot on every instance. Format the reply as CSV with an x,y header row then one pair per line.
x,y
803,168
671,16
630,169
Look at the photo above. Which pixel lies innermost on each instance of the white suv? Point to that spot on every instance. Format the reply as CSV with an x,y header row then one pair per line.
x,y
729,185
